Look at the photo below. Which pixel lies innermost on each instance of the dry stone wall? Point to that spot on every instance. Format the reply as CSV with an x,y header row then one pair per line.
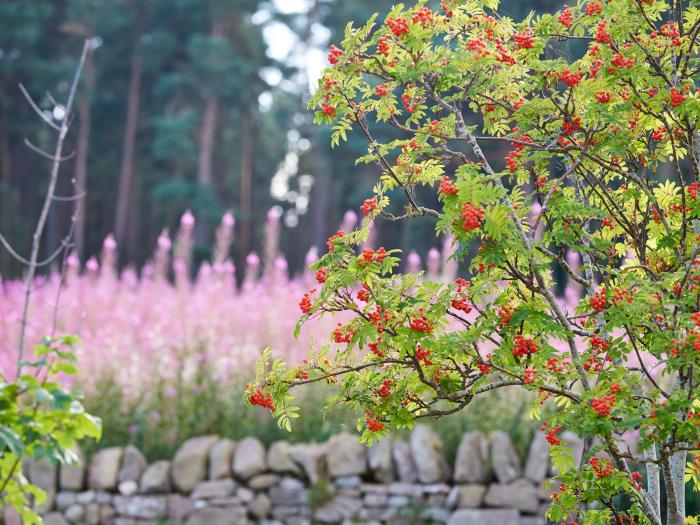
x,y
215,481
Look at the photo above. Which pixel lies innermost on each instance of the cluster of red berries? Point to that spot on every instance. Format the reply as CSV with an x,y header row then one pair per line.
x,y
385,390
572,125
569,78
622,295
461,304
383,46
513,155
259,398
447,187
368,206
483,368
408,103
378,318
619,61
540,183
693,190
305,304
670,30
566,17
556,365
608,223
341,335
335,55
529,375
636,479
330,242
328,109
374,348
478,45
448,12
551,433
423,16
599,301
525,39
382,90
602,468
524,346
471,217
398,26
503,55
603,97
363,293
659,134
602,36
370,256
373,424
321,275
301,374
505,313
677,97
421,323
423,355
603,405
593,8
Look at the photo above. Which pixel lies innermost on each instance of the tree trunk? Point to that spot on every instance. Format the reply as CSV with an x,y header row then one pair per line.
x,y
246,198
207,135
676,509
84,114
127,172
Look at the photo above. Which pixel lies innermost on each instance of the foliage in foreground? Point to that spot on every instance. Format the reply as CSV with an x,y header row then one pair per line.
x,y
41,419
599,105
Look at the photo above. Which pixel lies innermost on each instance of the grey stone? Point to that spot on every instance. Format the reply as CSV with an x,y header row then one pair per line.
x,y
106,513
435,514
346,456
280,460
466,496
156,478
263,481
399,501
436,488
405,466
338,509
92,514
380,460
103,497
312,460
532,520
226,501
520,494
54,518
104,469
128,488
189,466
260,507
506,464
179,506
428,453
245,494
133,464
537,463
65,500
484,517
249,458
375,500
86,497
45,476
282,495
220,459
472,461
145,507
72,477
214,489
405,489
75,513
218,516
348,482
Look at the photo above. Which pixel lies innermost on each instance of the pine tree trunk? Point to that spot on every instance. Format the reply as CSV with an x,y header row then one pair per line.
x,y
81,155
246,197
127,173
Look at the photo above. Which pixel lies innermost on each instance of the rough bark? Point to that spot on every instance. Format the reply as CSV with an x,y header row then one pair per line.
x,y
246,197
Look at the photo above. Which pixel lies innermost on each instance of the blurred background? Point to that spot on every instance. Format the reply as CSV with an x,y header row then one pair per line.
x,y
184,105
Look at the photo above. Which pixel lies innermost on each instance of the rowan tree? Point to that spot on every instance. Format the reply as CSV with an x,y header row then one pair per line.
x,y
598,108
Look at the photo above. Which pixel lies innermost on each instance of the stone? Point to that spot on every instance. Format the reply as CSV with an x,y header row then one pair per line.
x,y
104,469
144,507
520,494
375,500
405,489
218,516
288,494
249,458
103,497
532,520
346,456
55,518
65,500
220,459
45,476
86,497
263,481
380,461
156,478
75,513
245,494
338,509
179,506
472,460
189,466
427,450
92,514
128,488
467,496
435,514
312,460
405,466
260,507
106,513
399,501
348,482
133,464
280,460
484,517
72,477
537,463
214,489
505,461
